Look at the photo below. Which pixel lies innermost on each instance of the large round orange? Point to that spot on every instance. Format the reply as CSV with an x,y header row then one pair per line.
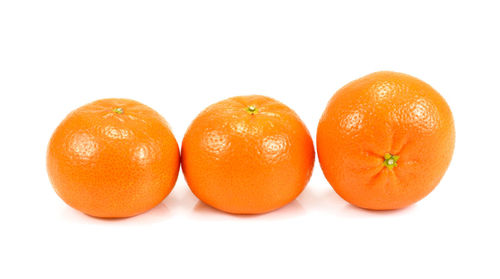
x,y
385,140
247,155
113,158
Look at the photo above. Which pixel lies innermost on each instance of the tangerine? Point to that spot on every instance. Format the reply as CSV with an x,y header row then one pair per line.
x,y
385,140
247,155
113,158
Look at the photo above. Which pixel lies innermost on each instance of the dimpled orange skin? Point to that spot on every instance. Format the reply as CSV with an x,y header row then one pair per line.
x,y
385,140
113,158
247,155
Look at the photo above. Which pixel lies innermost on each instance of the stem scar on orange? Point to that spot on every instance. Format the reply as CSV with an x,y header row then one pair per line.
x,y
247,155
385,140
113,158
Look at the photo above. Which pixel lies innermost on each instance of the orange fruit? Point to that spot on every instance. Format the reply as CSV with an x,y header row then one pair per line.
x,y
247,155
113,158
385,140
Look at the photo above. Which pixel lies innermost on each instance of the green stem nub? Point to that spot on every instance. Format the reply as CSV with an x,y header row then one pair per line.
x,y
390,160
118,110
251,109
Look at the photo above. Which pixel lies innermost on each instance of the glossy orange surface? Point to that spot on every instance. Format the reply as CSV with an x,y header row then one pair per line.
x,y
385,140
113,158
247,155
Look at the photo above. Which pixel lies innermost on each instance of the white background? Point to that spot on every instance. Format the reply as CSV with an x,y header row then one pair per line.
x,y
181,56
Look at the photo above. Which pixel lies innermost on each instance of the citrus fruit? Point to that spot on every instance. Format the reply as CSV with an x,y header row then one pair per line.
x,y
113,158
247,155
385,140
